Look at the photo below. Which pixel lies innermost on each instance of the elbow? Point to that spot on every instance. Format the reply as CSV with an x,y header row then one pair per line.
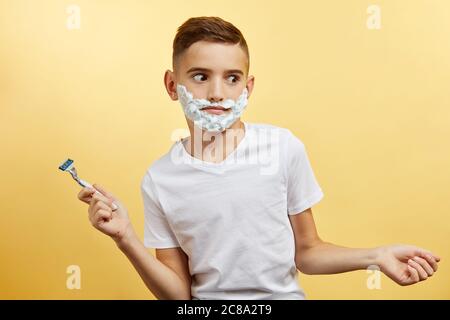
x,y
181,295
304,267
304,258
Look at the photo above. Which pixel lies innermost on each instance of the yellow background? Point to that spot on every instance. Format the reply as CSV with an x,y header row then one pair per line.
x,y
371,106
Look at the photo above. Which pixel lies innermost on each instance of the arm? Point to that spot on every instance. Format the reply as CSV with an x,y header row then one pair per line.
x,y
402,263
166,276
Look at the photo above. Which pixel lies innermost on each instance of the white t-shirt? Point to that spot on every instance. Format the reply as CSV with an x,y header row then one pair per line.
x,y
231,218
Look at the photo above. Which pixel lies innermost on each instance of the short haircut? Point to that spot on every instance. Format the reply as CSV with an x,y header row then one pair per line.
x,y
213,29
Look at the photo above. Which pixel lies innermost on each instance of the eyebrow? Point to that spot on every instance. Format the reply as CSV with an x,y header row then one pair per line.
x,y
193,69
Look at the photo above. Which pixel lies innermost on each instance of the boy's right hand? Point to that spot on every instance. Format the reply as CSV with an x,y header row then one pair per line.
x,y
115,224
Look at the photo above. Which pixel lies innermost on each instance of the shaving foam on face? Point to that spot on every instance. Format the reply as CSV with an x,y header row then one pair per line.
x,y
211,122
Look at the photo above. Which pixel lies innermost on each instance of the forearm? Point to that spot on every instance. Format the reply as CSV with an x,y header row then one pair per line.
x,y
161,280
327,258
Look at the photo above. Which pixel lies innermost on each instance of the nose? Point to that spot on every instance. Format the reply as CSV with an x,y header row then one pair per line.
x,y
215,92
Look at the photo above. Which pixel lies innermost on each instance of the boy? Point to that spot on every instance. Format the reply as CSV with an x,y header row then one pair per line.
x,y
228,218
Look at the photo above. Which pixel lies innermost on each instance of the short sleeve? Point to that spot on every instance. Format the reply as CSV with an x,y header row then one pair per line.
x,y
157,231
303,190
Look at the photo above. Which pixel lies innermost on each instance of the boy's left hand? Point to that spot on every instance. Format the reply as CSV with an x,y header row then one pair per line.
x,y
406,264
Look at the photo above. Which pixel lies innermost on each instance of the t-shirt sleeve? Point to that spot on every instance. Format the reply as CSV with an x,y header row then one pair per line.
x,y
157,231
303,190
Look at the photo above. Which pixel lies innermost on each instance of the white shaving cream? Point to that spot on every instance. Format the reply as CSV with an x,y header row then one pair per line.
x,y
211,122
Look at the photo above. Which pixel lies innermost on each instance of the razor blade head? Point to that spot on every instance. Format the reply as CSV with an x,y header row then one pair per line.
x,y
67,165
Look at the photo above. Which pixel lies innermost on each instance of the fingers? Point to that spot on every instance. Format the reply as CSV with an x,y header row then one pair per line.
x,y
113,200
425,265
100,206
99,197
436,258
431,258
424,253
98,202
103,191
100,217
420,270
85,194
432,261
99,212
99,209
414,275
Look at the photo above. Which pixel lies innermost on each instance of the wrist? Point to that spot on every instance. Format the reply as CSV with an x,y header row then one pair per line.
x,y
124,240
376,256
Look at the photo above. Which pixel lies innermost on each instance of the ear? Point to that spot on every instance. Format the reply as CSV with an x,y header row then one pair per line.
x,y
250,84
170,84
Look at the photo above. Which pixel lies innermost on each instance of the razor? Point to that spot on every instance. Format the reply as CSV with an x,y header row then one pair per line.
x,y
68,166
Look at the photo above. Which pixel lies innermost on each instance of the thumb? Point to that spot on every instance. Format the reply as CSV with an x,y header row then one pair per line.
x,y
104,192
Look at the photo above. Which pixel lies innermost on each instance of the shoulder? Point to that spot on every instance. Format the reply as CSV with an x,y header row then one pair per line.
x,y
287,139
266,128
162,165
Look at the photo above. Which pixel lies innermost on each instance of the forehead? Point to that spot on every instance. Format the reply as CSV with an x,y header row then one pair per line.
x,y
214,56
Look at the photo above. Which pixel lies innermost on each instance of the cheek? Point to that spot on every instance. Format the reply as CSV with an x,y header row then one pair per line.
x,y
197,92
237,93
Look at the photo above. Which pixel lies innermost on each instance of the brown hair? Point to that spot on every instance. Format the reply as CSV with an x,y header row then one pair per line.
x,y
213,29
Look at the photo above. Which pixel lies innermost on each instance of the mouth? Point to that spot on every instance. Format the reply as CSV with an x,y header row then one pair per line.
x,y
215,110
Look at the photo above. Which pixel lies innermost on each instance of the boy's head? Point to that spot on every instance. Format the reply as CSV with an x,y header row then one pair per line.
x,y
211,60
209,29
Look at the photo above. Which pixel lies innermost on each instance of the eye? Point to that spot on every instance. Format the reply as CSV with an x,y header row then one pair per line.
x,y
236,78
199,77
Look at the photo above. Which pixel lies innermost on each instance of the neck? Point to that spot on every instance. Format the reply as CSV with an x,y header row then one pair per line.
x,y
214,146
